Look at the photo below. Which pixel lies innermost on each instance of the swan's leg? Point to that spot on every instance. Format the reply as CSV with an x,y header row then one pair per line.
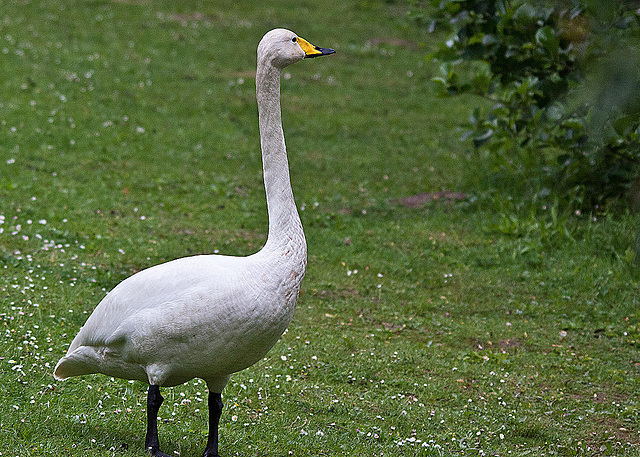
x,y
215,411
151,442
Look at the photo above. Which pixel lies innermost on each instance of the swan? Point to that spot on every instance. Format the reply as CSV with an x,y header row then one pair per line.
x,y
208,316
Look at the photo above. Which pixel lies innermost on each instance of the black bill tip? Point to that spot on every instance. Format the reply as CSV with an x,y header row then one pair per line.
x,y
323,52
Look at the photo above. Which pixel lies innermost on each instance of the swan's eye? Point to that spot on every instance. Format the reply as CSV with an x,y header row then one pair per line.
x,y
294,39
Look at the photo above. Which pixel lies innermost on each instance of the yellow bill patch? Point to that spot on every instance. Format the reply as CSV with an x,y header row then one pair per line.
x,y
308,48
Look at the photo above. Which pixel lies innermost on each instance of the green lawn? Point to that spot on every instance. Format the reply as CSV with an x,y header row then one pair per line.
x,y
128,137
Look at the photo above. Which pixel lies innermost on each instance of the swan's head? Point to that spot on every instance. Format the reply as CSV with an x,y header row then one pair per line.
x,y
282,47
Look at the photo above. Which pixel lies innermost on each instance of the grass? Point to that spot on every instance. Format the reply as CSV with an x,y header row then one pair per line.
x,y
471,327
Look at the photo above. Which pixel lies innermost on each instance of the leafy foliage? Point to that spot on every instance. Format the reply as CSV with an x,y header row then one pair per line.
x,y
562,78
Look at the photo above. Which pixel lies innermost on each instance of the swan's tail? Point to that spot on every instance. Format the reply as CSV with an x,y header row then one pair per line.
x,y
89,359
74,364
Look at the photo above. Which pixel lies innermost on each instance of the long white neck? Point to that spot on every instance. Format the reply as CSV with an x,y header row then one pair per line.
x,y
285,229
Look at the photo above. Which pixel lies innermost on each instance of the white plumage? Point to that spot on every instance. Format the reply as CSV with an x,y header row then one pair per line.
x,y
208,316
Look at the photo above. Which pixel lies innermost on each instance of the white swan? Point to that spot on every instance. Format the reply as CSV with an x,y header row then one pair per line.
x,y
208,316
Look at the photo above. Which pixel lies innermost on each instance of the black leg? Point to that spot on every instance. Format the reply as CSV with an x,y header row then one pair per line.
x,y
151,442
215,411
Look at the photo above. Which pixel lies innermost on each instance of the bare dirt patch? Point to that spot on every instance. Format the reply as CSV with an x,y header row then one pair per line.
x,y
509,343
422,199
611,429
133,2
334,294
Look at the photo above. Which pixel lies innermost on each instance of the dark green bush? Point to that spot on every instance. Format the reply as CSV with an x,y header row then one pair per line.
x,y
563,79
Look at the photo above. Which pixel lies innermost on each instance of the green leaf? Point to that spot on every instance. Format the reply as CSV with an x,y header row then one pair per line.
x,y
489,39
475,116
546,37
625,124
525,14
555,112
441,86
574,123
477,39
466,134
481,82
500,110
479,140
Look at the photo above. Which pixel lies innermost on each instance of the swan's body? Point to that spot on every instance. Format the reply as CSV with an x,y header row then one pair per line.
x,y
203,316
208,316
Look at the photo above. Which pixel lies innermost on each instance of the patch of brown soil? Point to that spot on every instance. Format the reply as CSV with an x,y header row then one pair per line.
x,y
502,344
333,294
509,343
395,328
614,430
420,200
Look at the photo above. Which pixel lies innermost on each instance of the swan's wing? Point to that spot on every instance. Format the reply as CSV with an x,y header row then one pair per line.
x,y
151,289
